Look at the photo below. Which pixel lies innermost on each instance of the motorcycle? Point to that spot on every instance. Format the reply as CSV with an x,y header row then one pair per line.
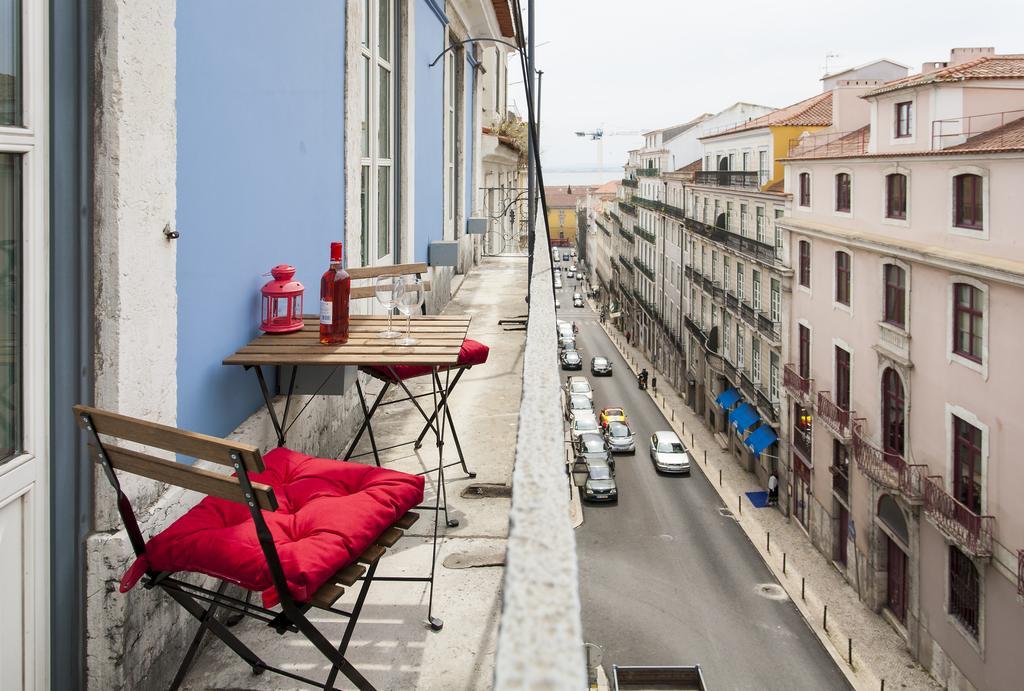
x,y
641,382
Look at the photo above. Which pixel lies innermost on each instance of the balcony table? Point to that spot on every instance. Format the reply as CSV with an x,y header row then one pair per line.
x,y
440,340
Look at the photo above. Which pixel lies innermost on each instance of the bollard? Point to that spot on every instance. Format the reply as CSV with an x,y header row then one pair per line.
x,y
803,582
719,477
783,563
739,503
673,411
824,618
705,456
883,684
692,443
849,650
769,536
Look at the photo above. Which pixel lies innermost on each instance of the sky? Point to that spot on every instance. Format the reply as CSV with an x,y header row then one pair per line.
x,y
648,64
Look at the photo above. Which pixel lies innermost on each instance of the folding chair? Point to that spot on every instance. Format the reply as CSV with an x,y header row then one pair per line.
x,y
355,512
472,353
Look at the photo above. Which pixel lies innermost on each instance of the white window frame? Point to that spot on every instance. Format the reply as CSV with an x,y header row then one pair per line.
x,y
835,196
986,318
836,305
755,290
369,50
900,222
983,173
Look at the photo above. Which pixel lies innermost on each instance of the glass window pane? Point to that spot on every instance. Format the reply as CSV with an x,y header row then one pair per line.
x,y
384,29
10,306
10,62
383,211
366,22
365,135
384,112
364,207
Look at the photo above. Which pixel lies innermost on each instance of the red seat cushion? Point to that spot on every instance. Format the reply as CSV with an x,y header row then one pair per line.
x,y
329,512
472,353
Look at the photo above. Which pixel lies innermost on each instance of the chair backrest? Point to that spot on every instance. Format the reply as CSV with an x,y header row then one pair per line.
x,y
370,272
199,446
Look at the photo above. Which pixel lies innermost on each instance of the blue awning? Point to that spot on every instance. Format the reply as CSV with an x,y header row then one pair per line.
x,y
727,398
744,417
760,439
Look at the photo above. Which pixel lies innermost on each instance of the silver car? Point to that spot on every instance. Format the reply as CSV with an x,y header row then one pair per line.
x,y
620,438
669,454
579,385
591,447
583,424
578,403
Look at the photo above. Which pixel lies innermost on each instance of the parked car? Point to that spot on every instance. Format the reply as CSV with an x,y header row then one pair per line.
x,y
592,447
579,385
577,302
613,414
565,256
558,283
669,454
577,403
572,268
571,360
600,484
558,304
564,328
582,423
572,253
600,366
570,273
619,438
567,342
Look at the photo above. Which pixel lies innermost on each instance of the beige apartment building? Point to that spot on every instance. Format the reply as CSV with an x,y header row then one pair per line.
x,y
903,377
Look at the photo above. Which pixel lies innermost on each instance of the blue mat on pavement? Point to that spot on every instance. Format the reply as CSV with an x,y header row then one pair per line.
x,y
758,499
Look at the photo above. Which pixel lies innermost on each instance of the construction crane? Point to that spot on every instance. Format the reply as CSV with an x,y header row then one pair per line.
x,y
598,136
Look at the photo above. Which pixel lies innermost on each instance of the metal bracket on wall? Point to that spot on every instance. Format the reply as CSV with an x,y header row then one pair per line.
x,y
170,233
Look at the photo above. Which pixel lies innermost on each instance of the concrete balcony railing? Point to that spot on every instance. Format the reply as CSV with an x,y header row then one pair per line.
x,y
541,580
970,531
895,340
834,417
797,386
887,468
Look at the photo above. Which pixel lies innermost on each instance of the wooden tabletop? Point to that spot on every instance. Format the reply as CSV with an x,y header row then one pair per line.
x,y
439,342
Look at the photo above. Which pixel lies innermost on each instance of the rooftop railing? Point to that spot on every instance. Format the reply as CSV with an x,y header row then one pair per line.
x,y
955,131
829,144
745,179
969,530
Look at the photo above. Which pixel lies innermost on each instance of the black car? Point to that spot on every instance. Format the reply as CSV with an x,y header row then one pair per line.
x,y
600,484
591,447
600,366
571,360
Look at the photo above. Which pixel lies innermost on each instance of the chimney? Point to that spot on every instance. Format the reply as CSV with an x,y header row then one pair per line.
x,y
929,67
850,111
961,55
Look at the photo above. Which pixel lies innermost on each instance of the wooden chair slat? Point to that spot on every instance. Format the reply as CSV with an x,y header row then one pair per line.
x,y
360,292
327,595
389,537
407,521
361,272
372,554
350,574
196,479
168,438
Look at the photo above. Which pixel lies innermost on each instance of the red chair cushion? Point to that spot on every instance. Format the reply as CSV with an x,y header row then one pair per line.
x,y
472,353
329,512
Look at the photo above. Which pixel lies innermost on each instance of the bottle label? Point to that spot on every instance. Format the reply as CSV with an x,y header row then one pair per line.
x,y
326,312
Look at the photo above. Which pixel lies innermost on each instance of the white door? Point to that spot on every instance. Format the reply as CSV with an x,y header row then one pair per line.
x,y
24,350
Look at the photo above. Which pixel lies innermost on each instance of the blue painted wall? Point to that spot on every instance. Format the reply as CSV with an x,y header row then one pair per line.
x,y
260,180
428,158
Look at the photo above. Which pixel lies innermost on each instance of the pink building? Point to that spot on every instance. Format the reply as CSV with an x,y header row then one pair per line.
x,y
904,383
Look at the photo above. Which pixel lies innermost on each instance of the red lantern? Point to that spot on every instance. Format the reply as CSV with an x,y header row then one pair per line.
x,y
282,302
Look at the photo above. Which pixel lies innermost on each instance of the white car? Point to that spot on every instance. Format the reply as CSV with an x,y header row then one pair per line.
x,y
668,453
577,404
583,424
558,304
570,274
579,385
558,283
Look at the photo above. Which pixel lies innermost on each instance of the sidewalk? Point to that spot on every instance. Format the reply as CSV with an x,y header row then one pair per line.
x,y
879,653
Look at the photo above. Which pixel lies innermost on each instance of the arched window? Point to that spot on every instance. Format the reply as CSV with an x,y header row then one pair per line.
x,y
896,195
805,189
893,415
894,308
843,192
967,201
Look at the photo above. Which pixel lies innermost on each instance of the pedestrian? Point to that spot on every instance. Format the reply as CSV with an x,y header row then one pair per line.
x,y
627,338
773,489
654,383
646,376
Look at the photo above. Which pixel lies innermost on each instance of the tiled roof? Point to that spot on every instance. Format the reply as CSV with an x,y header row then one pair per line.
x,y
832,144
564,196
1009,137
815,111
987,67
691,167
778,186
610,187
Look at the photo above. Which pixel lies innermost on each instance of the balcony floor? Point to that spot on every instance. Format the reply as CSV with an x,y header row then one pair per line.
x,y
391,645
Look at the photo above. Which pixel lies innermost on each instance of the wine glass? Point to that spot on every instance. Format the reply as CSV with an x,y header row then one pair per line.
x,y
388,289
409,301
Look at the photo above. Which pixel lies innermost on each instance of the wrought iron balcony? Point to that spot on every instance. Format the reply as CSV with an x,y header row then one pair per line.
x,y
770,329
766,405
644,269
731,301
688,271
648,172
604,230
694,328
730,371
840,481
660,207
644,233
648,307
628,236
629,182
748,314
627,208
969,530
798,387
887,468
748,388
759,251
746,179
626,263
802,440
614,216
836,418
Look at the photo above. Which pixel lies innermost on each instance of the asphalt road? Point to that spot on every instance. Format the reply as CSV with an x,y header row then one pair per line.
x,y
666,578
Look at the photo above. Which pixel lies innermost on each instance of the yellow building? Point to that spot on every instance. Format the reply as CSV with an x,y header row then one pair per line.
x,y
562,213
